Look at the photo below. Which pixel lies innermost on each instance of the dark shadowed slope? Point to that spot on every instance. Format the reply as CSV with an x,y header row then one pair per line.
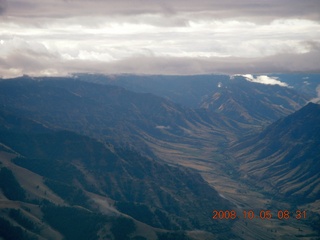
x,y
79,170
284,158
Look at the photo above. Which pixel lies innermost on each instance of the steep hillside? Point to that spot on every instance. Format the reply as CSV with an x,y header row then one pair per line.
x,y
144,122
111,113
105,182
81,150
284,158
253,103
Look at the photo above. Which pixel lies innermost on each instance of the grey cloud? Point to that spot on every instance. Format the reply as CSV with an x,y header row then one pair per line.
x,y
65,36
262,10
312,45
43,64
3,6
180,65
317,99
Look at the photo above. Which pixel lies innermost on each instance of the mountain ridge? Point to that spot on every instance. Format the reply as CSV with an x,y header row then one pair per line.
x,y
149,191
285,155
91,149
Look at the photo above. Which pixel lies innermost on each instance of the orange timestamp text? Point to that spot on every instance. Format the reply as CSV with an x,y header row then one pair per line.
x,y
262,214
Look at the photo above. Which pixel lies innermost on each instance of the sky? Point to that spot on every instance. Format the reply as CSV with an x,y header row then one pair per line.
x,y
61,37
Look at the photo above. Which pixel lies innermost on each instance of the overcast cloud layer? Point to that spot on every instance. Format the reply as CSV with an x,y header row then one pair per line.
x,y
57,37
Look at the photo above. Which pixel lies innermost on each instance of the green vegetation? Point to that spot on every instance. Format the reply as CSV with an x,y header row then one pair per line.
x,y
173,236
77,223
49,168
139,238
74,223
23,220
73,195
143,213
10,186
4,149
9,232
122,228
140,212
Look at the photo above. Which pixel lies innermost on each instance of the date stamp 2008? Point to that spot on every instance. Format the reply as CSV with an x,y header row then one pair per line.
x,y
262,214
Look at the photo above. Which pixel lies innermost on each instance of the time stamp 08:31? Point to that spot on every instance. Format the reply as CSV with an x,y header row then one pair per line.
x,y
262,214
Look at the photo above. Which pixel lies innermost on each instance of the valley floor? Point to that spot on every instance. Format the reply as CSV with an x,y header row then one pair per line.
x,y
219,170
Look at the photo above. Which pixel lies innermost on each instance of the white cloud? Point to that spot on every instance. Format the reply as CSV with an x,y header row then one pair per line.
x,y
264,79
245,9
317,99
209,36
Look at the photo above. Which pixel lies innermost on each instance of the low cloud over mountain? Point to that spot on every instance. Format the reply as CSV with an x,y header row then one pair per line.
x,y
263,79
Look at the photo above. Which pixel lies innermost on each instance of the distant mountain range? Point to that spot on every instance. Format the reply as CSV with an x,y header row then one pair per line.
x,y
110,113
190,91
232,96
